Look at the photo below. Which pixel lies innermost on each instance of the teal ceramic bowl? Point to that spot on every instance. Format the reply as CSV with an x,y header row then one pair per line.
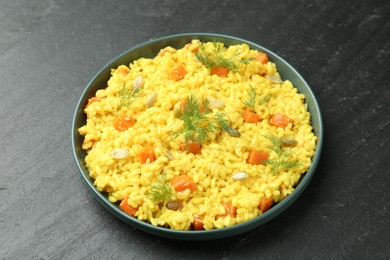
x,y
149,50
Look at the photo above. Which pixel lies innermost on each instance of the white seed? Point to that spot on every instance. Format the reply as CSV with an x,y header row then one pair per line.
x,y
151,100
168,154
216,103
119,153
286,141
239,176
138,82
274,79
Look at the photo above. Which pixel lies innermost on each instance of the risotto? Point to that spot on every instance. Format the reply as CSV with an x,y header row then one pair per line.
x,y
198,138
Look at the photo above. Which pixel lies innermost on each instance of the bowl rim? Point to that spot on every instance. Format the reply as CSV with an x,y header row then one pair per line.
x,y
202,234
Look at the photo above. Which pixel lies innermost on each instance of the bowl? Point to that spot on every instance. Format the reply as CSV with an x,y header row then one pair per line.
x,y
151,49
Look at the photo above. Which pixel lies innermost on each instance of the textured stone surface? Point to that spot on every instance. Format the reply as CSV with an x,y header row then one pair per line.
x,y
49,51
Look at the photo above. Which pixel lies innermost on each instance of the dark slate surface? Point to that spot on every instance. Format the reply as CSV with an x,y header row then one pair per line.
x,y
50,49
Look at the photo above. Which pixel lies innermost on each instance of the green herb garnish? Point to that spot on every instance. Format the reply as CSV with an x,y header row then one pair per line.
x,y
199,121
253,102
264,99
282,162
127,96
161,191
215,58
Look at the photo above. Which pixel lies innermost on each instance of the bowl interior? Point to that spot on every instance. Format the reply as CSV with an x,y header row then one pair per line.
x,y
151,49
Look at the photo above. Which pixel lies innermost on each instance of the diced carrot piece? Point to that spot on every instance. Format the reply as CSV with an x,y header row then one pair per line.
x,y
230,210
219,71
250,116
127,208
178,73
265,204
191,147
198,222
182,182
262,57
146,154
257,157
93,99
123,123
280,120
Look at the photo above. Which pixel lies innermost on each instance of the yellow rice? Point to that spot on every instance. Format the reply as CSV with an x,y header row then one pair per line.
x,y
221,156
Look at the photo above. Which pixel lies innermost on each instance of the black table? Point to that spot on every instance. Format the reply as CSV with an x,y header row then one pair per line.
x,y
49,51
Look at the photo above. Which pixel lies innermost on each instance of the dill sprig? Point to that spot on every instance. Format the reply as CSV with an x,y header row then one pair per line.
x,y
214,57
276,146
264,99
199,121
252,101
127,96
161,191
224,124
282,162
